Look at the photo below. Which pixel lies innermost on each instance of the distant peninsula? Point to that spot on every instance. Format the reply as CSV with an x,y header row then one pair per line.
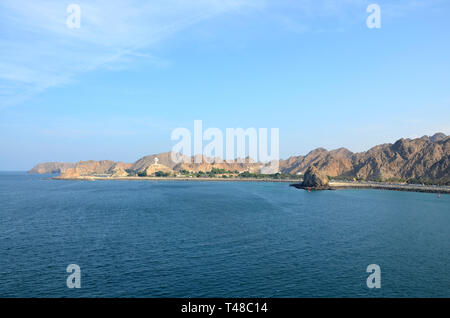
x,y
422,160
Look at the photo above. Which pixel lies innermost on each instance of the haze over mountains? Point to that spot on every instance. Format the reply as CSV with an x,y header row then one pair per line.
x,y
422,159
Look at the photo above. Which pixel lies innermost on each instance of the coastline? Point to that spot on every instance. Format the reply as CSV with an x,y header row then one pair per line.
x,y
96,178
383,186
293,182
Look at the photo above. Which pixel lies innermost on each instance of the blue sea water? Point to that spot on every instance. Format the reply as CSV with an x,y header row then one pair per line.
x,y
218,239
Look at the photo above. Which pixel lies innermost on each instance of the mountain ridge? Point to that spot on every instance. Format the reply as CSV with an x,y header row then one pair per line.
x,y
424,159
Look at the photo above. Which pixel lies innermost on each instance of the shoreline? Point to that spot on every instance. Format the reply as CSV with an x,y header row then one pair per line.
x,y
93,178
293,182
382,186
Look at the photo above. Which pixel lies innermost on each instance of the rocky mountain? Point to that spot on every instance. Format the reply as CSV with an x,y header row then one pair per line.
x,y
437,137
93,167
194,164
144,163
51,167
421,159
332,163
164,163
206,164
424,159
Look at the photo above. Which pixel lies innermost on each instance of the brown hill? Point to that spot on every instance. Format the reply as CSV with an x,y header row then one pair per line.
x,y
332,163
93,167
194,164
229,166
420,158
154,168
51,167
424,159
144,163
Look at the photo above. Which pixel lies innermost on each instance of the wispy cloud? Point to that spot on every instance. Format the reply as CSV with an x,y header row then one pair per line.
x,y
39,51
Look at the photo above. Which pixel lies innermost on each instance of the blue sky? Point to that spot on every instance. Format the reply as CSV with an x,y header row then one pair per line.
x,y
117,87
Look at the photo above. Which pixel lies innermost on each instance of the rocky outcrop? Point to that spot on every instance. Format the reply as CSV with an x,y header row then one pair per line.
x,y
92,167
154,168
119,171
332,163
422,159
120,166
51,167
164,158
70,174
314,179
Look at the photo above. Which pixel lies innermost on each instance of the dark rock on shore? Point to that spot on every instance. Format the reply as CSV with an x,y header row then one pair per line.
x,y
313,180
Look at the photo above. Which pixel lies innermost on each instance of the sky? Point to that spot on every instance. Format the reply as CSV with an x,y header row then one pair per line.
x,y
116,87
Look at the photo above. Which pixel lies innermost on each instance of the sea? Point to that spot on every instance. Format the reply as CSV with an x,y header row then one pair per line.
x,y
218,239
